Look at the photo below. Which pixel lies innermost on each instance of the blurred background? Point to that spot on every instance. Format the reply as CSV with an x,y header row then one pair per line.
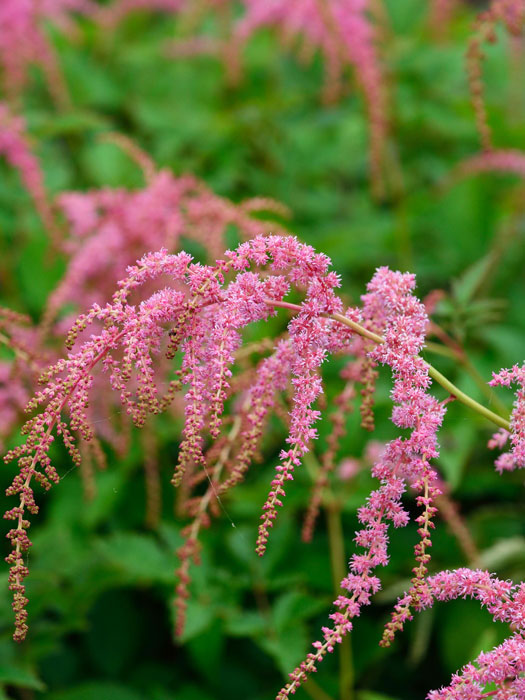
x,y
261,124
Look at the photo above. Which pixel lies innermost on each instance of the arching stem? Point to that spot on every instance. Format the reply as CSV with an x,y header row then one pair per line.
x,y
452,389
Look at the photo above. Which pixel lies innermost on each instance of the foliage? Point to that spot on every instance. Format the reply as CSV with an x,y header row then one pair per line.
x,y
252,134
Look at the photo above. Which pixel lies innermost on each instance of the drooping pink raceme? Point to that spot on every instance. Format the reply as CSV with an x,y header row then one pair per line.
x,y
111,228
403,460
208,313
515,459
505,664
23,41
16,149
343,31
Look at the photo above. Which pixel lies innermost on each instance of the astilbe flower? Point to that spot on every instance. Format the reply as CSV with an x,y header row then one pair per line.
x,y
505,664
111,228
515,459
345,34
403,460
16,149
511,13
209,316
23,42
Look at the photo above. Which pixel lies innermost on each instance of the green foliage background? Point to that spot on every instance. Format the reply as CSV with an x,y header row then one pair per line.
x,y
101,585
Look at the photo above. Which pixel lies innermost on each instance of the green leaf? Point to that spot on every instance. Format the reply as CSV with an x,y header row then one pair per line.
x,y
139,557
467,285
20,677
97,691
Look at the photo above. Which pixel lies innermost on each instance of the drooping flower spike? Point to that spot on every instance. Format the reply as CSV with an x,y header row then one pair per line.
x,y
196,313
16,149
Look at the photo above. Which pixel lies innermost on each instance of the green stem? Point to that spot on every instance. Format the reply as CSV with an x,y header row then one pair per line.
x,y
433,372
467,400
465,362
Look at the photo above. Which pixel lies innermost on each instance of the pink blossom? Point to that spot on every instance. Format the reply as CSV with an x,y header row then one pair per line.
x,y
15,148
344,33
405,459
516,457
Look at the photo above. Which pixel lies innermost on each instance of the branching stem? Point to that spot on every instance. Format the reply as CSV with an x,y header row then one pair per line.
x,y
452,389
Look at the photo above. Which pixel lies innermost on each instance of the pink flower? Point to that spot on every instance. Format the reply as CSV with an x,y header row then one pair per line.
x,y
516,457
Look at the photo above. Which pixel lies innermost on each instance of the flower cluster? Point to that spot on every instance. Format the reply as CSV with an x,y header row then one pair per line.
x,y
23,42
403,460
504,665
516,457
343,31
195,314
16,149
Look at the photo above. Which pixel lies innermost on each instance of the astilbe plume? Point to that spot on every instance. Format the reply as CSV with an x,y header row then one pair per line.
x,y
511,13
505,664
197,313
131,335
515,459
403,460
23,42
346,36
16,149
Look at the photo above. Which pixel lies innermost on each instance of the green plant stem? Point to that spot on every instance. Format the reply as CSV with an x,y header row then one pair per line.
x,y
433,372
465,362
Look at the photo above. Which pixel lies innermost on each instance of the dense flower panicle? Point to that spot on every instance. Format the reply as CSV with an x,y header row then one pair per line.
x,y
111,228
208,314
516,457
505,664
23,41
404,322
16,149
